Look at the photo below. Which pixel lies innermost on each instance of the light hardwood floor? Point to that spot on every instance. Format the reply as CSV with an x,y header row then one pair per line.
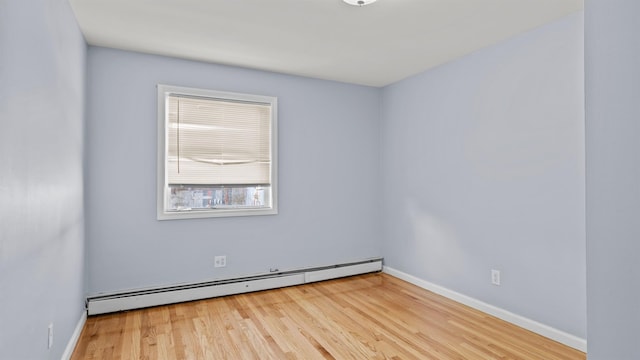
x,y
374,316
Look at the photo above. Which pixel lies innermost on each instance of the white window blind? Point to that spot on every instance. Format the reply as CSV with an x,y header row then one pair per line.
x,y
214,141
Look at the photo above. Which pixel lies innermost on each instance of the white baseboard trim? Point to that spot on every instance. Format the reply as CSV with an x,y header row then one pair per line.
x,y
526,323
71,345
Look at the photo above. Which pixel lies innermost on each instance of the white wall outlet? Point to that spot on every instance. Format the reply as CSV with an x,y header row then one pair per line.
x,y
220,261
495,277
50,341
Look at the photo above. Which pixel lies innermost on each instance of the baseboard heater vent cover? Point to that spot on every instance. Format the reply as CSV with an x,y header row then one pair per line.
x,y
101,304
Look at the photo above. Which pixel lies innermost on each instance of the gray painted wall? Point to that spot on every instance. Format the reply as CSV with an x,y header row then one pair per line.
x,y
612,60
42,87
483,163
330,192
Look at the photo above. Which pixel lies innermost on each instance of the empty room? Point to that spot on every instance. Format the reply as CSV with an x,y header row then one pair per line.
x,y
319,179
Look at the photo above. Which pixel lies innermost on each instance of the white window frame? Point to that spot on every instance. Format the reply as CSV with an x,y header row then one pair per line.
x,y
162,179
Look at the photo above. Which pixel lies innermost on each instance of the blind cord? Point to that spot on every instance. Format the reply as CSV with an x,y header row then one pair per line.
x,y
178,136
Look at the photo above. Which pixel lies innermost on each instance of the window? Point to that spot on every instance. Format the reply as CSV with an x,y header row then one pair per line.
x,y
216,153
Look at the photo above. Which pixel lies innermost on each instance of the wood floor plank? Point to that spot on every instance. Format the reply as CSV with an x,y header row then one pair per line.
x,y
374,316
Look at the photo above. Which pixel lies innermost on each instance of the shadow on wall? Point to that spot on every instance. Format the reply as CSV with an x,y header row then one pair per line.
x,y
437,250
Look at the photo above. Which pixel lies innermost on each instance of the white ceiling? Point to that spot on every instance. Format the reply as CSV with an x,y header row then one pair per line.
x,y
372,45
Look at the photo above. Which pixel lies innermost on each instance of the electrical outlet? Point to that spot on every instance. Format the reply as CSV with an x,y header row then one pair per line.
x,y
495,277
50,336
220,261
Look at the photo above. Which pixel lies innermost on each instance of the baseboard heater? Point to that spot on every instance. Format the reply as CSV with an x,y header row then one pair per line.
x,y
101,304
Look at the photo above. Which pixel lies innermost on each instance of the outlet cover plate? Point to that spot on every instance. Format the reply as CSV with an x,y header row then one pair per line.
x,y
220,261
50,336
495,277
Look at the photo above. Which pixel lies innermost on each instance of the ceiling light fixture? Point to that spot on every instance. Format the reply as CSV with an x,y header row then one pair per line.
x,y
359,2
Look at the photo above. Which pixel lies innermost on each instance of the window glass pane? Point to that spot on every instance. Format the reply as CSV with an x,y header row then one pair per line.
x,y
191,198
